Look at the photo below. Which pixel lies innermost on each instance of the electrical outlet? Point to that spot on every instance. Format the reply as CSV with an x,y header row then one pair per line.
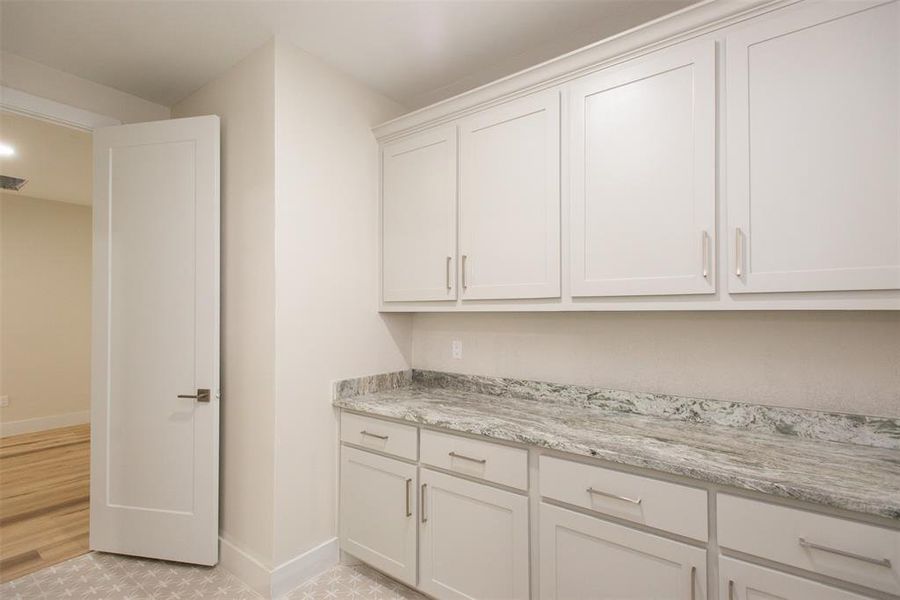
x,y
456,349
4,401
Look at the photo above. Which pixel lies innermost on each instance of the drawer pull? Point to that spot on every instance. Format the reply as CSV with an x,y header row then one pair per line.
x,y
730,589
374,435
881,562
592,491
422,500
408,511
480,461
693,577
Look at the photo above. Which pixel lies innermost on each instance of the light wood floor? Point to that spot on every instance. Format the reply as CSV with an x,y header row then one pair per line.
x,y
44,502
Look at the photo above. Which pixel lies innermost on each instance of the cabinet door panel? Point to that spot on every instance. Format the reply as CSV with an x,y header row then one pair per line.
x,y
583,557
473,540
643,176
509,200
378,512
418,211
742,581
813,135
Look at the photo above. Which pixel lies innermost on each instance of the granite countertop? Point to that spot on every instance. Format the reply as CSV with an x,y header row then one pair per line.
x,y
851,476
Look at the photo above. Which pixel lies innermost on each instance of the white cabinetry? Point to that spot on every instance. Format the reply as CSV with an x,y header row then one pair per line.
x,y
583,557
418,212
643,175
378,512
509,200
742,581
813,110
473,540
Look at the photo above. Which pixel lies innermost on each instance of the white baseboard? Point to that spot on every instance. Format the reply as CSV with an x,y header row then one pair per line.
x,y
292,573
273,583
42,423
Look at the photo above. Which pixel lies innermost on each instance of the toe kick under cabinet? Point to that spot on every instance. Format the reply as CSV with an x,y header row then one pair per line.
x,y
460,517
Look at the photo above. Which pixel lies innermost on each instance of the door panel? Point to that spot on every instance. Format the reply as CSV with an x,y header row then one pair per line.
x,y
583,557
378,512
742,581
473,540
154,461
509,200
419,217
813,148
643,176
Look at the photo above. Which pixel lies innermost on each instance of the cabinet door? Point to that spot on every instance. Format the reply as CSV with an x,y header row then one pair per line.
x,y
473,540
418,211
813,133
643,175
742,581
583,557
378,512
509,200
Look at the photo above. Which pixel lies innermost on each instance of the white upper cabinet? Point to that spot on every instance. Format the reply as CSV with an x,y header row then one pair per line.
x,y
813,131
509,200
643,175
419,216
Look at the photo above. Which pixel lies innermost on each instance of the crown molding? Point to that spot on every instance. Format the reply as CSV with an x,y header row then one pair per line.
x,y
686,24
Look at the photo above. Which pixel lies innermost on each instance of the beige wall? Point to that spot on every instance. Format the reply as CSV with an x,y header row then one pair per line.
x,y
43,81
45,309
243,97
842,361
328,326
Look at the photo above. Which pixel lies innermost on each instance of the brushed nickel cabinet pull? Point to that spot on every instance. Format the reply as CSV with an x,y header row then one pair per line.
x,y
422,500
881,562
480,461
704,249
730,589
374,435
738,252
592,491
465,283
449,286
408,510
202,395
693,577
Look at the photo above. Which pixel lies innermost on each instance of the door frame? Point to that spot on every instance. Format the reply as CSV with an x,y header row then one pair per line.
x,y
36,107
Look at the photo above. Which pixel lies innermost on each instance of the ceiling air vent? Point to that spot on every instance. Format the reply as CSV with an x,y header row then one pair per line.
x,y
12,183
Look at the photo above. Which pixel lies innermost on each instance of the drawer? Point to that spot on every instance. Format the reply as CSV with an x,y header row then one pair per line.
x,y
847,550
668,506
384,436
493,462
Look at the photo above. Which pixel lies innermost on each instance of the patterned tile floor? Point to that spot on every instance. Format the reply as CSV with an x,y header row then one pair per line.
x,y
100,576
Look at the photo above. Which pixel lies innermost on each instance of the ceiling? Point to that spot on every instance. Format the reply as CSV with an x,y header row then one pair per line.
x,y
55,160
416,52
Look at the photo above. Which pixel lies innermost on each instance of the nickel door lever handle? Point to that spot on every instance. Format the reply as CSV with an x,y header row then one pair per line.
x,y
202,395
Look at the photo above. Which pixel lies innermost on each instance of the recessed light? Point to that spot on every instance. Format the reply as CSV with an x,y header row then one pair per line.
x,y
7,150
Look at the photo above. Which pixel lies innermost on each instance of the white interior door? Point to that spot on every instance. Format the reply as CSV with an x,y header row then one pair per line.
x,y
155,455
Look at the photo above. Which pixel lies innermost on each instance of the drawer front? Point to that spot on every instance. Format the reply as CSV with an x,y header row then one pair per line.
x,y
847,550
668,506
493,462
384,436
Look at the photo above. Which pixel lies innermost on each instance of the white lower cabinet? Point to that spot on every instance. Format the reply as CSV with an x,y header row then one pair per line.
x,y
378,512
583,557
473,540
742,581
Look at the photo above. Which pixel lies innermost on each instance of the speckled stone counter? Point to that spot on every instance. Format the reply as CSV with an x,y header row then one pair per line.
x,y
842,461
